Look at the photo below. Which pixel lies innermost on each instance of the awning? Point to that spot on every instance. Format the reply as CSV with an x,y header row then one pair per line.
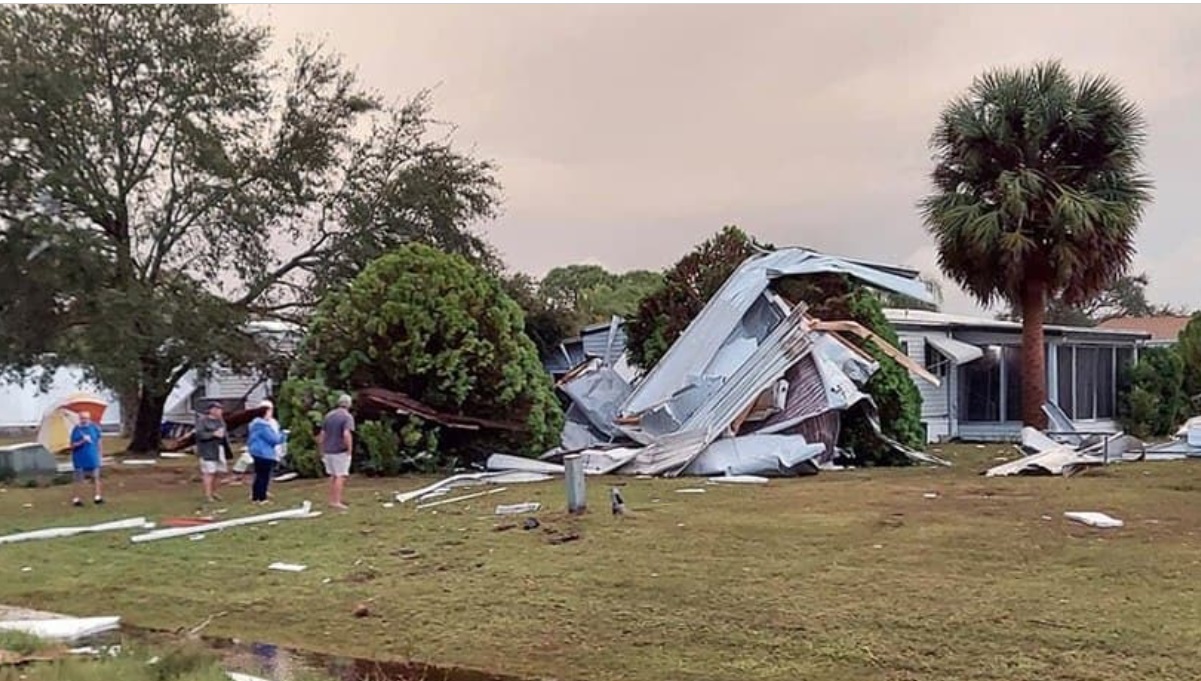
x,y
956,351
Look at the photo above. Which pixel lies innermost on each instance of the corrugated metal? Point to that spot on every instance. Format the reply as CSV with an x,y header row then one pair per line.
x,y
595,341
721,317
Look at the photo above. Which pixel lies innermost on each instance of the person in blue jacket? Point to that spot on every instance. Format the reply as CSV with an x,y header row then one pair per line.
x,y
85,456
263,443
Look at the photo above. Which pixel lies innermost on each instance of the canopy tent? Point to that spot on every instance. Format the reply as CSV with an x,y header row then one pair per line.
x,y
55,431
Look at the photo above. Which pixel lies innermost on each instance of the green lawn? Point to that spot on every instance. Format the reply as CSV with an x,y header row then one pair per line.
x,y
850,575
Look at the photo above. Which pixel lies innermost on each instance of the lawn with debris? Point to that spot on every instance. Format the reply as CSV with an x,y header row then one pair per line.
x,y
918,573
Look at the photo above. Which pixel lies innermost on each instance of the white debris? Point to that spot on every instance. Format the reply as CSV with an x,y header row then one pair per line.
x,y
305,510
690,490
1094,519
739,480
518,509
63,629
60,532
287,567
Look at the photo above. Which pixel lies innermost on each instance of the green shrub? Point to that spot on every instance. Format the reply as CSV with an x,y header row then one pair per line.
x,y
1153,402
437,328
303,403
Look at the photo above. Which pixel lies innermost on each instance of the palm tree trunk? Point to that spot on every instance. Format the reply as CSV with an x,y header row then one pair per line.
x,y
1034,360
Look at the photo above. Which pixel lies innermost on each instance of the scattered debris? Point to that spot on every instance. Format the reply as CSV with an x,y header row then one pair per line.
x,y
690,490
234,676
379,399
60,532
287,567
563,538
930,495
64,628
362,610
465,497
530,524
518,509
197,537
739,480
504,527
305,510
753,386
139,462
406,553
1094,519
286,477
471,480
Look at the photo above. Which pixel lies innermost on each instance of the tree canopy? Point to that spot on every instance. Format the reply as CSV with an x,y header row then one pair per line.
x,y
169,184
1038,191
441,330
1125,297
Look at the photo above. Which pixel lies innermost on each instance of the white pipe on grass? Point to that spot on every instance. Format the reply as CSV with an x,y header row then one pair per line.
x,y
57,532
304,511
462,498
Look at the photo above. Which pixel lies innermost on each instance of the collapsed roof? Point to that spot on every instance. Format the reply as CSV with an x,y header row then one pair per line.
x,y
752,386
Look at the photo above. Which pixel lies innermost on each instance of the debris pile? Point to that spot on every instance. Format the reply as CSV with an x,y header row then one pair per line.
x,y
1065,450
753,386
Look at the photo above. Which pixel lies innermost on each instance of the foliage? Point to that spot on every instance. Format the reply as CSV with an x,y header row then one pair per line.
x,y
1188,344
663,315
903,302
1152,402
162,183
1125,297
303,403
435,327
544,325
1038,193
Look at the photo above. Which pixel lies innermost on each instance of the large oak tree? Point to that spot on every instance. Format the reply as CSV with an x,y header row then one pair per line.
x,y
162,183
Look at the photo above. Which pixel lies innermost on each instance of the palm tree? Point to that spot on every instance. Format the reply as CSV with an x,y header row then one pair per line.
x,y
1038,193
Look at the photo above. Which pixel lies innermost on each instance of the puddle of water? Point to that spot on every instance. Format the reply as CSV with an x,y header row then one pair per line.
x,y
279,663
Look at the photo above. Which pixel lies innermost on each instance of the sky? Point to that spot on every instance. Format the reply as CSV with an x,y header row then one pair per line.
x,y
627,134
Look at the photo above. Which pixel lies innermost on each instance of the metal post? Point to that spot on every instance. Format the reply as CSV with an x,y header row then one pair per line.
x,y
573,468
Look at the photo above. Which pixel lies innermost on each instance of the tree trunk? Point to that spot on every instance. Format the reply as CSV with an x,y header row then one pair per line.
x,y
1034,360
147,430
128,398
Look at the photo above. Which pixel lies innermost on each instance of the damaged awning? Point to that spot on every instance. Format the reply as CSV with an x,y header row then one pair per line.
x,y
958,352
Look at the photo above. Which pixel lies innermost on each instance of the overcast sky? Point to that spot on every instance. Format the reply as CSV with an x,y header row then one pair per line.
x,y
626,134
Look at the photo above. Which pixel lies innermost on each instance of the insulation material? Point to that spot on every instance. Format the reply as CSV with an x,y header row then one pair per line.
x,y
64,628
761,455
1094,519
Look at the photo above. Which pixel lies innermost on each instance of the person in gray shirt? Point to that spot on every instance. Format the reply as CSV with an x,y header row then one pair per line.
x,y
337,444
211,439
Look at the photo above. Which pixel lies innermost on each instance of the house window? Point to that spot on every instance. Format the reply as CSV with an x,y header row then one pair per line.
x,y
935,362
980,387
1088,380
1012,359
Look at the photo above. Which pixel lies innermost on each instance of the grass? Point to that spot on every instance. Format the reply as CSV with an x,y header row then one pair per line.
x,y
847,575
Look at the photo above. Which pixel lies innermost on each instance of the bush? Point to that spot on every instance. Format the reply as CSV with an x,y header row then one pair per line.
x,y
303,403
439,329
1153,401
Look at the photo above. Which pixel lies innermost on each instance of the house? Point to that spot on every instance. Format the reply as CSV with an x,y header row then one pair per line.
x,y
1164,329
592,343
979,363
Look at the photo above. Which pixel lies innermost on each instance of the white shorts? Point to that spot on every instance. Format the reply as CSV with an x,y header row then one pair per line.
x,y
213,467
337,465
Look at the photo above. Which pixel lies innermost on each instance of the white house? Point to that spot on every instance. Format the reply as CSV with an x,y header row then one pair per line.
x,y
979,363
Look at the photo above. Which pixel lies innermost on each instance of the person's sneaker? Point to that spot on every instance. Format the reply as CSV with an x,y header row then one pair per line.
x,y
77,502
99,500
340,507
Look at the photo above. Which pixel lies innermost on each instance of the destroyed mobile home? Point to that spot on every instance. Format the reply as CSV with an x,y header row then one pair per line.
x,y
753,386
